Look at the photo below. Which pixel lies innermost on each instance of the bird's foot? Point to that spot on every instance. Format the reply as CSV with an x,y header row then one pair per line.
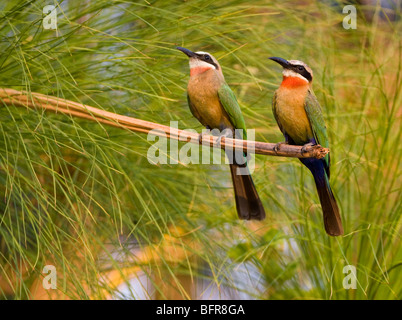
x,y
227,133
307,145
278,146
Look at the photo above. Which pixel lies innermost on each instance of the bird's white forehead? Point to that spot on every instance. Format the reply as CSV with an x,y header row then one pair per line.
x,y
201,52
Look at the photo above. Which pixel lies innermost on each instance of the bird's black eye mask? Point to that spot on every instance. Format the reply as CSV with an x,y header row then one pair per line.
x,y
302,71
199,56
207,58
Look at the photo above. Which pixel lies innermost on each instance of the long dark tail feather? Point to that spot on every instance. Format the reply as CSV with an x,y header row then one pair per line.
x,y
248,203
332,218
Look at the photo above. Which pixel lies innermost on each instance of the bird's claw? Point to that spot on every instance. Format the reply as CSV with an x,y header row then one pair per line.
x,y
225,134
218,141
278,146
307,145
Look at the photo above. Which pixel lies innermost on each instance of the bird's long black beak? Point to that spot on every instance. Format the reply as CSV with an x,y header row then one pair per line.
x,y
187,52
284,63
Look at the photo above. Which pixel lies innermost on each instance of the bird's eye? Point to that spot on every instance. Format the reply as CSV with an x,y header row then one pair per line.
x,y
300,68
207,58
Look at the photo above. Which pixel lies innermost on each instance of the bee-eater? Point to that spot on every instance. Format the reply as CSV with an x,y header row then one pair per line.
x,y
214,104
299,117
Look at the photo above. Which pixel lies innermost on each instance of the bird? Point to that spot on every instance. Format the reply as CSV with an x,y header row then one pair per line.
x,y
299,116
214,105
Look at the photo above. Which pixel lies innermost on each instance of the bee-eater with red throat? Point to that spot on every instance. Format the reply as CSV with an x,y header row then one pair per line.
x,y
299,117
214,104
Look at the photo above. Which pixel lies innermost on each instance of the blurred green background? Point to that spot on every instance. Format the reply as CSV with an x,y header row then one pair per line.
x,y
84,198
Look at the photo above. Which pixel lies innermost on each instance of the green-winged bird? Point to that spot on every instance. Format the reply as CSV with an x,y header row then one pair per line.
x,y
214,104
299,117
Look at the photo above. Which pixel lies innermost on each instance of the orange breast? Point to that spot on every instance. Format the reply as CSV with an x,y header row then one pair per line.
x,y
291,115
293,82
206,107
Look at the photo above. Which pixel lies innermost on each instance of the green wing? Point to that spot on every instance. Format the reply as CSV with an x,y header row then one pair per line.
x,y
316,118
232,108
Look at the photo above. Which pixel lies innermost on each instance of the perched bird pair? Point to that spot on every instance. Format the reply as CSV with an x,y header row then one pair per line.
x,y
297,112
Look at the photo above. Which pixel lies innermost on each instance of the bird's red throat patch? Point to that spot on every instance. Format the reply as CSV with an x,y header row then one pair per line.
x,y
293,82
197,70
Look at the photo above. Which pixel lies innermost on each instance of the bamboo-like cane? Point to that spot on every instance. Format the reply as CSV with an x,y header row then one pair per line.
x,y
34,101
